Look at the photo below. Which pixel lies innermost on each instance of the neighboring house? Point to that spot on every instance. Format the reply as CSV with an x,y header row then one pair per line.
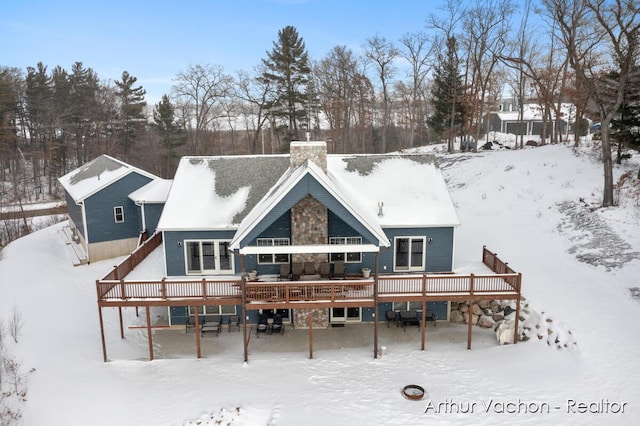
x,y
102,217
507,120
372,234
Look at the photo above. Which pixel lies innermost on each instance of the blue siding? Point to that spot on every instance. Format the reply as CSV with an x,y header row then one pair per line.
x,y
174,247
307,186
152,214
439,249
75,213
99,210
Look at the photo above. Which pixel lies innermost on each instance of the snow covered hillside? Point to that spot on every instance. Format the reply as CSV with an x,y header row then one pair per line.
x,y
537,208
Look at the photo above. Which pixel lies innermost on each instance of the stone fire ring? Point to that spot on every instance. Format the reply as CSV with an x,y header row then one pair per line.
x,y
413,392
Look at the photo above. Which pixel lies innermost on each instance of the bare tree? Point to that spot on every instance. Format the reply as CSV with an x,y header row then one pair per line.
x,y
254,94
417,50
486,25
199,92
337,77
382,53
16,322
601,36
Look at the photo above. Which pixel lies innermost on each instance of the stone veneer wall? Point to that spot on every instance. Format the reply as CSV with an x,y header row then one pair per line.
x,y
309,225
320,318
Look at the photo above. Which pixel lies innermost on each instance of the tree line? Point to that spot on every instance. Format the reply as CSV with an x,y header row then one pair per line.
x,y
435,84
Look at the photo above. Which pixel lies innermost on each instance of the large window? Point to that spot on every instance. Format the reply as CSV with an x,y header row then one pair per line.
x,y
409,254
208,257
118,214
407,306
272,258
214,310
349,257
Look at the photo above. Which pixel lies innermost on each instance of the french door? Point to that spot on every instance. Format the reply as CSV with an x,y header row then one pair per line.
x,y
208,257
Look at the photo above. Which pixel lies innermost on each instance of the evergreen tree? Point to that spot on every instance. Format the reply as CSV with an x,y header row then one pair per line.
x,y
132,105
625,128
447,94
81,108
8,126
172,133
287,67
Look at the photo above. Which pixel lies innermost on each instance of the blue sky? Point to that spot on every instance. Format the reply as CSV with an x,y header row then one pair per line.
x,y
154,40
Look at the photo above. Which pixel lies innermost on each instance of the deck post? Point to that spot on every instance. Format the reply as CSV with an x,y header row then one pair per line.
x,y
375,308
104,344
310,321
517,321
121,323
198,351
149,333
244,314
423,323
470,313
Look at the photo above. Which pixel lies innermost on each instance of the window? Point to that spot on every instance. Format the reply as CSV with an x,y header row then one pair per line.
x,y
208,257
118,214
349,257
409,254
407,306
214,310
272,258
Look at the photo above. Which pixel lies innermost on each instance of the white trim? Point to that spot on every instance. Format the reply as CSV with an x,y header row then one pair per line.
x,y
424,253
216,257
310,249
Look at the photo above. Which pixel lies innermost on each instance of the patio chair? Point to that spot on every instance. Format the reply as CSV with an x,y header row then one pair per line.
x,y
262,327
234,321
430,316
392,316
285,272
277,326
325,270
338,269
309,268
296,270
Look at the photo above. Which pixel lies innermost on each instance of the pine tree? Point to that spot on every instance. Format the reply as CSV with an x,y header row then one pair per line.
x,y
132,105
287,67
625,128
447,94
172,133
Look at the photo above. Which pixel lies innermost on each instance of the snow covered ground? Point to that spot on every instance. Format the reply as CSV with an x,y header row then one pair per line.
x,y
537,208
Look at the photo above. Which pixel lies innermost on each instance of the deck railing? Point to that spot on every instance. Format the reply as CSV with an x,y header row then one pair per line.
x,y
112,289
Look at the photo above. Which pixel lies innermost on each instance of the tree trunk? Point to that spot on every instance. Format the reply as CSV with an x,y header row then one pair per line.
x,y
607,193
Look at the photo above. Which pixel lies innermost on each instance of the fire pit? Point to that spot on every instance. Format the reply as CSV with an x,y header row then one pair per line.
x,y
413,392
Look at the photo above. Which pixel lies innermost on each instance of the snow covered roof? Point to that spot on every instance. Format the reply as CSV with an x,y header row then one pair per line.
x,y
233,192
95,175
533,112
155,191
287,182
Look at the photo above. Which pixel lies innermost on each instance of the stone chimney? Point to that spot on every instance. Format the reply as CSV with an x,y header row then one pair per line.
x,y
314,151
309,217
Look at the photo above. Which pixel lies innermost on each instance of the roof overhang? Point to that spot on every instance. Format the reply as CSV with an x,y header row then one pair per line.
x,y
311,249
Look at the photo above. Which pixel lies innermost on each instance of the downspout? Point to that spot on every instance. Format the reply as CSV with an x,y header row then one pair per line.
x,y
144,221
86,230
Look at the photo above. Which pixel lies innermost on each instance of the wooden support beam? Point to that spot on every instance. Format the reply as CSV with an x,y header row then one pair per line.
x,y
310,321
470,314
423,324
197,321
121,323
149,334
375,308
104,344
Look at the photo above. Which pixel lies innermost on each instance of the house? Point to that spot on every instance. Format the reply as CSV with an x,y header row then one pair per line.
x,y
102,216
316,240
507,119
224,215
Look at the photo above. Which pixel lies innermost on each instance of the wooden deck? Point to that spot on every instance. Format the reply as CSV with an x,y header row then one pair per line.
x,y
114,290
